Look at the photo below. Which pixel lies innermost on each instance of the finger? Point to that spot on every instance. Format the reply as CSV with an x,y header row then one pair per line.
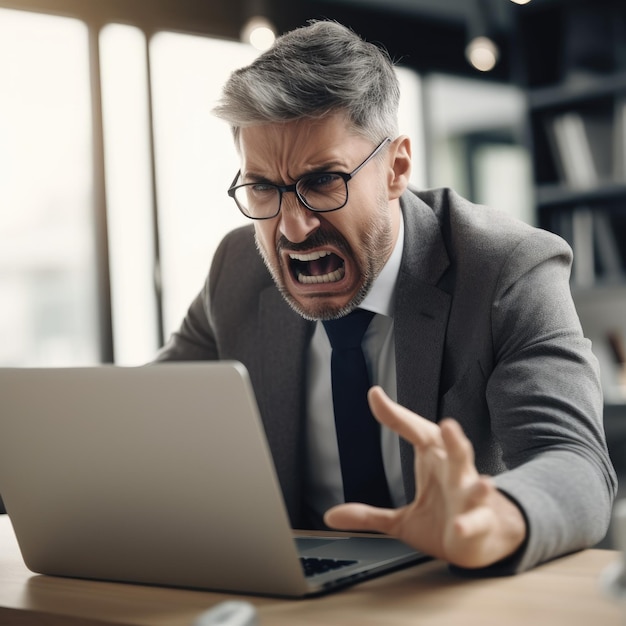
x,y
460,452
411,426
356,516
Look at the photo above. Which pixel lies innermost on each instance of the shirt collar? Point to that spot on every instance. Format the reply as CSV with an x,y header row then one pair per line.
x,y
380,297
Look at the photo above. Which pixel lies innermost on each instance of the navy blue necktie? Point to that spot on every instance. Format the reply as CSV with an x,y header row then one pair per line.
x,y
358,432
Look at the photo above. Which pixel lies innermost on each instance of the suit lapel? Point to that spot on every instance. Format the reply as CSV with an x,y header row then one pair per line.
x,y
420,319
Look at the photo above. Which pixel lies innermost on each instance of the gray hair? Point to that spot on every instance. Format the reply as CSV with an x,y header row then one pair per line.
x,y
311,72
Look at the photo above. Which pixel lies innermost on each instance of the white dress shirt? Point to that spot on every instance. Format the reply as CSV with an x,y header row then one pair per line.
x,y
325,485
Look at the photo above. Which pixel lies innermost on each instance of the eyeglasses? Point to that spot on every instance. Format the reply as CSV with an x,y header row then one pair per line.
x,y
321,192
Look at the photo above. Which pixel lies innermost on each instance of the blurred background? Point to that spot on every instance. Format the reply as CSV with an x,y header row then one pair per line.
x,y
113,173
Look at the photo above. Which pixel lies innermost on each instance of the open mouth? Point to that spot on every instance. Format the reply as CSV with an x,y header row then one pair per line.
x,y
317,267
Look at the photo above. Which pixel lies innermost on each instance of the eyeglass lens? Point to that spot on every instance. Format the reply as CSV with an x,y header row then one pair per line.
x,y
318,192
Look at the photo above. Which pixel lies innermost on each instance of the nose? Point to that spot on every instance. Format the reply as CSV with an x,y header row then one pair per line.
x,y
297,223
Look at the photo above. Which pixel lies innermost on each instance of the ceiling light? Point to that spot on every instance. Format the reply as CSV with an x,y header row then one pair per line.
x,y
521,1
259,32
482,53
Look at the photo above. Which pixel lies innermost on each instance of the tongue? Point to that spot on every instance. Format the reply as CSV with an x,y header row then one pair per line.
x,y
322,266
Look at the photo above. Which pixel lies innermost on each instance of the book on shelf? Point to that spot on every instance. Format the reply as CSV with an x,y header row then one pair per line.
x,y
596,252
619,141
607,250
581,145
583,270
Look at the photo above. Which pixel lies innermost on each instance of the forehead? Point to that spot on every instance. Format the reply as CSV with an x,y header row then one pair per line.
x,y
293,147
303,128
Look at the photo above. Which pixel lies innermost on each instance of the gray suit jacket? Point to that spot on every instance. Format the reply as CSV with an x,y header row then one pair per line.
x,y
485,332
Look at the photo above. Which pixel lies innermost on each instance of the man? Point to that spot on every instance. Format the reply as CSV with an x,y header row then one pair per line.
x,y
474,321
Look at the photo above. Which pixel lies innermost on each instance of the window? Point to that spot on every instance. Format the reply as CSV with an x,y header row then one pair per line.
x,y
129,192
48,285
195,160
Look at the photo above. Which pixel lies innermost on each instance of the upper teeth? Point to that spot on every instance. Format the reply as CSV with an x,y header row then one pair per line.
x,y
310,256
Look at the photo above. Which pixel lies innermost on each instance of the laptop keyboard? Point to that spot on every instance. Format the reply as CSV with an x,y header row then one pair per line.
x,y
314,566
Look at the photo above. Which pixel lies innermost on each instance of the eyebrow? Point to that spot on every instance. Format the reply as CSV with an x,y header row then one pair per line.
x,y
330,166
256,178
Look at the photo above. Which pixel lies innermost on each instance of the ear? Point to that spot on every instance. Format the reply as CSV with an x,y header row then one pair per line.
x,y
400,166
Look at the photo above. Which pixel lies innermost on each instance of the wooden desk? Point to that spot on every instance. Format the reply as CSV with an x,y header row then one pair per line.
x,y
564,592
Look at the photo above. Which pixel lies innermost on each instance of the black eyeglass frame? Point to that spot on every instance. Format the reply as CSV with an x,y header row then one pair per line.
x,y
294,186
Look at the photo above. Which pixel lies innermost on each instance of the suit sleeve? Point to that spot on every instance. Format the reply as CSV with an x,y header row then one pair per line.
x,y
194,340
546,406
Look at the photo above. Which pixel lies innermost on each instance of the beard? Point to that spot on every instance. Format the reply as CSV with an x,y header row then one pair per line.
x,y
375,247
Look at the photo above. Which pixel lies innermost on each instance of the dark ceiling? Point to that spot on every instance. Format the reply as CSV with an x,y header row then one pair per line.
x,y
428,35
431,35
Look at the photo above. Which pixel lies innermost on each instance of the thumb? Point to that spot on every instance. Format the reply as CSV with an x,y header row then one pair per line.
x,y
363,517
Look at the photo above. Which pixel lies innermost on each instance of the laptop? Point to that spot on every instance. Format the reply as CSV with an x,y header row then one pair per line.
x,y
162,475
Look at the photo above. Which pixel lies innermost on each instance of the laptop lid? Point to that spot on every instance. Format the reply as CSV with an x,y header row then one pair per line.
x,y
158,475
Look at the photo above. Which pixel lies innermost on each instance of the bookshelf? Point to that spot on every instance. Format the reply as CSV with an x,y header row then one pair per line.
x,y
573,68
574,71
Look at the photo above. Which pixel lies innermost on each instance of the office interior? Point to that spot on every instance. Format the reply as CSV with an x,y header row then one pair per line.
x,y
113,174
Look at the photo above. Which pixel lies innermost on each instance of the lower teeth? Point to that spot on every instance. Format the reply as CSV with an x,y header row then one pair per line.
x,y
333,277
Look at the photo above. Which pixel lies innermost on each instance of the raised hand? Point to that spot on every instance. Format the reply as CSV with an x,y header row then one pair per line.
x,y
457,515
